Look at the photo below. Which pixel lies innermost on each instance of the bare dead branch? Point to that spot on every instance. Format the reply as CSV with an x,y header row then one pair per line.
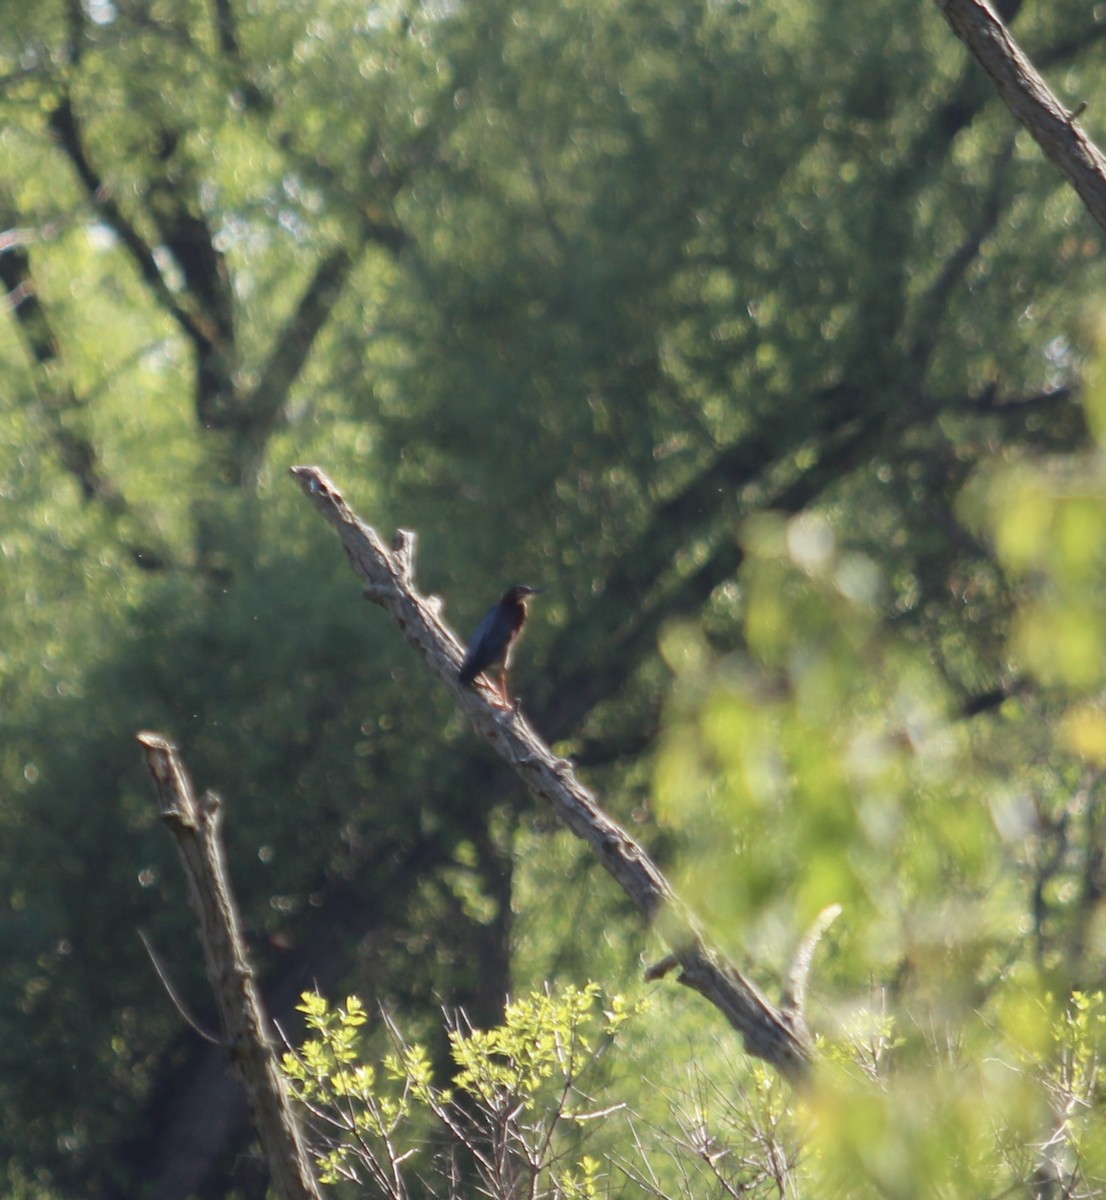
x,y
780,1038
1024,92
794,997
196,827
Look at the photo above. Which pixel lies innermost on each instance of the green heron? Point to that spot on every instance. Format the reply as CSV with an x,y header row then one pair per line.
x,y
495,637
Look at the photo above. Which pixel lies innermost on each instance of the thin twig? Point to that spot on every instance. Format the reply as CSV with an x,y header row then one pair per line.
x,y
176,1001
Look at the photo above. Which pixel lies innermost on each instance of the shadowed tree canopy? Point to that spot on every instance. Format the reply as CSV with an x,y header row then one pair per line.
x,y
574,290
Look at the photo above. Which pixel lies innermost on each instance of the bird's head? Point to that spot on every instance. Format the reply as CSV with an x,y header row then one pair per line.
x,y
520,593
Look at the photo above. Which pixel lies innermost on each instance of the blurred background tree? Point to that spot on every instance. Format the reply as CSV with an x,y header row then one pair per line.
x,y
754,334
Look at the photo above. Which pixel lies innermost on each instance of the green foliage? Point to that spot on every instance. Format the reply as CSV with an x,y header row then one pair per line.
x,y
18,1187
819,767
1026,1112
327,1074
827,763
593,295
879,1120
513,1111
1047,521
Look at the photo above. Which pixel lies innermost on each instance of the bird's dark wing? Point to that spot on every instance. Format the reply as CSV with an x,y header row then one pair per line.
x,y
489,644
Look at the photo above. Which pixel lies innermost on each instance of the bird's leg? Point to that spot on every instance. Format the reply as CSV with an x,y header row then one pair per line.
x,y
515,704
498,689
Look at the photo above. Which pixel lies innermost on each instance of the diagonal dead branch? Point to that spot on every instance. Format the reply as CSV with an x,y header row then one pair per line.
x,y
1027,96
778,1037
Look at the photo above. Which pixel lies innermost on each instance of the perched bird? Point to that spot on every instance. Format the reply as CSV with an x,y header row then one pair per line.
x,y
495,637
